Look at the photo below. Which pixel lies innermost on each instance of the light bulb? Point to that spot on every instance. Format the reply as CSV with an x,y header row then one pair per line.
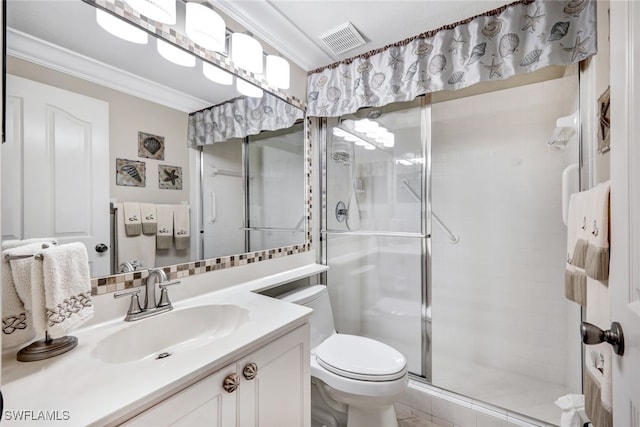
x,y
205,27
216,74
159,10
120,28
175,55
246,53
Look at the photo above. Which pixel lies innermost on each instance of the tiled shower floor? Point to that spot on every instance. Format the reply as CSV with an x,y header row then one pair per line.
x,y
513,392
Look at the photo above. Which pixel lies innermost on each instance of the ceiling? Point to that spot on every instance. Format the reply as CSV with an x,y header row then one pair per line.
x,y
293,27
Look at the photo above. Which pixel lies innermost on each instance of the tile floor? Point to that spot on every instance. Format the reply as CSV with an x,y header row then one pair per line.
x,y
411,418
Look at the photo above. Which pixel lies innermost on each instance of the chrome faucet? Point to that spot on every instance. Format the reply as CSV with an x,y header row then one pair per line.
x,y
151,307
155,274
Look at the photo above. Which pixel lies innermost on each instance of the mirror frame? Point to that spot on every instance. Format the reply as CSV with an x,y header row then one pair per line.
x,y
115,282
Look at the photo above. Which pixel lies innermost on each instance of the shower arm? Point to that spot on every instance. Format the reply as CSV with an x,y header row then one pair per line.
x,y
453,238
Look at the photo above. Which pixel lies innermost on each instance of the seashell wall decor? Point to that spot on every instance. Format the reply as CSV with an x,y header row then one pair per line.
x,y
517,38
150,146
130,173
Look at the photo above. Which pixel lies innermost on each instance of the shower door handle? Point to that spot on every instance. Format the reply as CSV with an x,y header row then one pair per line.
x,y
591,334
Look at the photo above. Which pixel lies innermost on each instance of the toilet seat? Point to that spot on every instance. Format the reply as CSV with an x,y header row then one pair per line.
x,y
360,358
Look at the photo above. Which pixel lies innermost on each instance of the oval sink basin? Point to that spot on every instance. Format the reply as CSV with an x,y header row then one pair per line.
x,y
167,333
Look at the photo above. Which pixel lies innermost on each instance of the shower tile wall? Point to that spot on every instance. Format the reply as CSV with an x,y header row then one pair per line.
x,y
498,295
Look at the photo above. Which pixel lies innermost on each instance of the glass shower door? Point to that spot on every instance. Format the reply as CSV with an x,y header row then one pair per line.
x,y
374,231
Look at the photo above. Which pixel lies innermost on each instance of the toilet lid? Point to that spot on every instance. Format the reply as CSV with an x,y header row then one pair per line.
x,y
360,358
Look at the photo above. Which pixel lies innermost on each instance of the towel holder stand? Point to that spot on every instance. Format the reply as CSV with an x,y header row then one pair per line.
x,y
47,348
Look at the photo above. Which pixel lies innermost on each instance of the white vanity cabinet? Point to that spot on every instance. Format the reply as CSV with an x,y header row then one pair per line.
x,y
273,390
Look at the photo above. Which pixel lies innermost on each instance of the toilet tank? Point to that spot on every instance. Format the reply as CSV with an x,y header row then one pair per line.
x,y
321,320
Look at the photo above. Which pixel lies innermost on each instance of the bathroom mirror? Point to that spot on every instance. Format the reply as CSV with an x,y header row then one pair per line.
x,y
59,44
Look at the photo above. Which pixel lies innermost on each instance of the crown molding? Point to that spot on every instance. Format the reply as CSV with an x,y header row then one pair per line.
x,y
32,49
281,34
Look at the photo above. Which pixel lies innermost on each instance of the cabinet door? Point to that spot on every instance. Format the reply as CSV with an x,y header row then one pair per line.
x,y
205,403
279,394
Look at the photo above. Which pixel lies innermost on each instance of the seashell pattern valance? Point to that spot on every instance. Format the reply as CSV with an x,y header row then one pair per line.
x,y
515,39
241,117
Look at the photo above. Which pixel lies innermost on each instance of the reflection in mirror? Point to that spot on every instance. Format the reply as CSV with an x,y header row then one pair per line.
x,y
140,104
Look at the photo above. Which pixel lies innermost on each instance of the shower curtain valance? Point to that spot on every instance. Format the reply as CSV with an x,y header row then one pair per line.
x,y
241,117
515,39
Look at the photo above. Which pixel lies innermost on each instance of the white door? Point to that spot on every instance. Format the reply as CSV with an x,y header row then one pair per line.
x,y
624,280
55,165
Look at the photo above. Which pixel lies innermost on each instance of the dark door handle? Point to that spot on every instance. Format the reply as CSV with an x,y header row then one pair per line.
x,y
101,247
591,334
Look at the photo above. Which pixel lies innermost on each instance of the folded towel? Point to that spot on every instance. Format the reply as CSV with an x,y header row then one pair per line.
x,y
575,278
181,227
16,274
597,253
17,323
9,244
164,236
139,251
598,358
132,218
149,218
64,274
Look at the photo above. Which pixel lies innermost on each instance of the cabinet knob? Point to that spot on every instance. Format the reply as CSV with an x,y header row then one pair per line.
x,y
250,371
231,383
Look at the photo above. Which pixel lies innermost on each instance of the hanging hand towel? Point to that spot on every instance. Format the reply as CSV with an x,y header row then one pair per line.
x,y
149,218
67,287
17,322
181,227
597,253
132,221
164,235
575,279
598,359
139,251
9,244
21,272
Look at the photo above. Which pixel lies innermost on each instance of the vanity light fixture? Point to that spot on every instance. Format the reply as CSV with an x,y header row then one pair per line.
x,y
163,11
248,89
205,27
278,72
216,74
246,53
175,55
120,28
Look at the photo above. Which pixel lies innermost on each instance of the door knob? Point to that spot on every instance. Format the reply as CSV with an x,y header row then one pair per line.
x,y
101,247
591,334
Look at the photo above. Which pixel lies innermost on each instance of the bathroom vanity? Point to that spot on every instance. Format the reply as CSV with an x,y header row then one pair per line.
x,y
249,367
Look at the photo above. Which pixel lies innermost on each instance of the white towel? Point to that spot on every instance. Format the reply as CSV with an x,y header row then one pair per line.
x,y
575,279
164,236
598,358
132,218
149,218
139,251
597,254
17,322
64,274
181,226
9,244
16,275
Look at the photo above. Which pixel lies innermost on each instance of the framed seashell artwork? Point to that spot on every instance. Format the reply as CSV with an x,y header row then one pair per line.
x,y
604,121
150,146
130,173
169,177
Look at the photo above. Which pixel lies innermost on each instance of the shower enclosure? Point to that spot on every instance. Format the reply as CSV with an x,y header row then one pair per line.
x,y
262,177
446,241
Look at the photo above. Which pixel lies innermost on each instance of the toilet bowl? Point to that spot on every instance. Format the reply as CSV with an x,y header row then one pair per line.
x,y
355,377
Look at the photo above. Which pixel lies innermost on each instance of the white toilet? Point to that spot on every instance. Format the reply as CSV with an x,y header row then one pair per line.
x,y
354,379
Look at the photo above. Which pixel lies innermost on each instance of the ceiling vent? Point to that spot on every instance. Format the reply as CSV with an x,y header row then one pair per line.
x,y
342,38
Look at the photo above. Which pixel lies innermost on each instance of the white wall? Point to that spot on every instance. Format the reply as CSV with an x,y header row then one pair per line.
x,y
498,295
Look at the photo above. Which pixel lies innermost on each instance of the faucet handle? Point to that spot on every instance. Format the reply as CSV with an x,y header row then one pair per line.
x,y
134,305
164,295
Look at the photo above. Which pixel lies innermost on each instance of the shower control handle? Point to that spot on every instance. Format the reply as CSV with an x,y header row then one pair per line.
x,y
591,334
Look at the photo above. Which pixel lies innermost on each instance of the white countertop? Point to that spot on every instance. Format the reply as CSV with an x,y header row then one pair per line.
x,y
94,392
